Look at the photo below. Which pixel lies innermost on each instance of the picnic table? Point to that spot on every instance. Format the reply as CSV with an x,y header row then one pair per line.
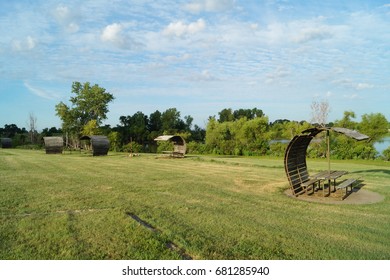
x,y
329,175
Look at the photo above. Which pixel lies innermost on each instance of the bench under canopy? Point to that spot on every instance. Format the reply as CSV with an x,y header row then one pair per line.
x,y
295,156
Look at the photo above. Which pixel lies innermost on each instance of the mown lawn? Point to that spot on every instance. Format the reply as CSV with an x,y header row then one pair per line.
x,y
75,206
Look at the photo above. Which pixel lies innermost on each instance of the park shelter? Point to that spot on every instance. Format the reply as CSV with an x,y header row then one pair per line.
x,y
6,143
54,144
179,144
295,156
99,143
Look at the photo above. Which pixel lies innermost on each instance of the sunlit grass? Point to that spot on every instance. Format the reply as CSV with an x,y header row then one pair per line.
x,y
73,206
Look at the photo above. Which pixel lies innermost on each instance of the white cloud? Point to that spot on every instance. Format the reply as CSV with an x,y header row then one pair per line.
x,y
279,73
112,33
209,5
26,44
328,94
39,92
349,83
180,29
115,34
362,86
351,96
66,18
313,34
175,59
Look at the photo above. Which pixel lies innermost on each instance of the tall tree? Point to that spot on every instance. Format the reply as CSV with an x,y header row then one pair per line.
x,y
374,125
171,122
226,115
347,121
90,103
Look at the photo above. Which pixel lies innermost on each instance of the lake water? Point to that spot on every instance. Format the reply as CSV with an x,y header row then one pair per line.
x,y
382,145
379,146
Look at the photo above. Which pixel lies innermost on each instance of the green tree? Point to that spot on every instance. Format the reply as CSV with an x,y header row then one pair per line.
x,y
171,122
347,121
115,141
91,128
226,115
374,125
139,127
90,103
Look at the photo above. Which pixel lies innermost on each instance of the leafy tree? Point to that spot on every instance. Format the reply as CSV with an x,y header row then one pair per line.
x,y
188,122
249,114
91,128
171,122
374,125
90,103
347,121
386,154
226,115
198,134
114,139
155,122
139,127
10,130
51,131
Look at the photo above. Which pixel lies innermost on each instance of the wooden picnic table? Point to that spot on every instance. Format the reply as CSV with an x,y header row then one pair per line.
x,y
329,175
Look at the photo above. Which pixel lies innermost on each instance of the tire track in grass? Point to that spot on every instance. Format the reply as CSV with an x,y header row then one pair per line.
x,y
170,245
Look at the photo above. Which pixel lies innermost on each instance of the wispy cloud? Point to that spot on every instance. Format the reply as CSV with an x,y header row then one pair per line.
x,y
228,49
40,92
67,18
198,6
26,44
180,29
363,86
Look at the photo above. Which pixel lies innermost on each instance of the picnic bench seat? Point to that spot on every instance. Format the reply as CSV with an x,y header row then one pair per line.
x,y
300,180
345,184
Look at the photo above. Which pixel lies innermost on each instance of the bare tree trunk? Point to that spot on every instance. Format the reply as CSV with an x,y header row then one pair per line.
x,y
320,111
33,127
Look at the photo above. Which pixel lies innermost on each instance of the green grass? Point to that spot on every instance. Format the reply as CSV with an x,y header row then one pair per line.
x,y
73,206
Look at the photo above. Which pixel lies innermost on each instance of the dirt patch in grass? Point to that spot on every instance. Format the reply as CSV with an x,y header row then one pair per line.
x,y
358,196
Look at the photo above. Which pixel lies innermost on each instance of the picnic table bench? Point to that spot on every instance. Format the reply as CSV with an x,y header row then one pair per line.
x,y
301,181
329,175
345,184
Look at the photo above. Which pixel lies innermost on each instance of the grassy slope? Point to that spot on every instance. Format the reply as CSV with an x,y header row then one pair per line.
x,y
74,207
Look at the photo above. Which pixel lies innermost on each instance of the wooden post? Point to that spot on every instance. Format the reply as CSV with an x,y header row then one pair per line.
x,y
328,151
328,156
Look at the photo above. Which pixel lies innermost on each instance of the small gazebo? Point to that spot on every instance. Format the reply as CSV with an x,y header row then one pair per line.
x,y
295,156
6,143
100,144
54,145
179,144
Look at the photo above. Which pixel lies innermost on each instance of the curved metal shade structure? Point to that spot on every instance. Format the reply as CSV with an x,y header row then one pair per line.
x,y
53,145
100,144
6,143
179,144
295,156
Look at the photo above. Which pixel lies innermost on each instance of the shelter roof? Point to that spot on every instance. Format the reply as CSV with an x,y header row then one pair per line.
x,y
346,131
164,138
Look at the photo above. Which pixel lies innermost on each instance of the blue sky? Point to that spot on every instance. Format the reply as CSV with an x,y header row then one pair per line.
x,y
199,56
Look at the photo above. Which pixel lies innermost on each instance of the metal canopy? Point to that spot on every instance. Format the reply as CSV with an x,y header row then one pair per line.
x,y
346,131
179,144
100,144
351,133
295,155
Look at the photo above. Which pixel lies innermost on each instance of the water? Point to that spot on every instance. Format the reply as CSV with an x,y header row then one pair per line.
x,y
382,145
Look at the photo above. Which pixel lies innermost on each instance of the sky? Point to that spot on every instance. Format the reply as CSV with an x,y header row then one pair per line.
x,y
198,56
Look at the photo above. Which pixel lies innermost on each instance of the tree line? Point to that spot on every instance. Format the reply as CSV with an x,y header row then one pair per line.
x,y
232,132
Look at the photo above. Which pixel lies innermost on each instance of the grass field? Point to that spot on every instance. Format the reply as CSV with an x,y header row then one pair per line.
x,y
75,206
